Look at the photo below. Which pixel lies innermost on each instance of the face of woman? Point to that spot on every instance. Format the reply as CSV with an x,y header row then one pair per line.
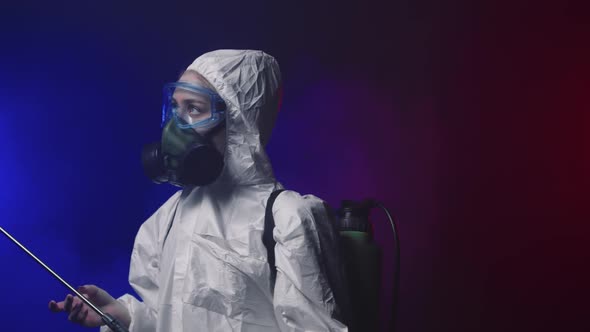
x,y
193,107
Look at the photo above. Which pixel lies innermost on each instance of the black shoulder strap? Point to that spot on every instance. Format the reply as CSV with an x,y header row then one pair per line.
x,y
267,238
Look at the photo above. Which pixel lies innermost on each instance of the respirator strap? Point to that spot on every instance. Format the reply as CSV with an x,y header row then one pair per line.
x,y
267,238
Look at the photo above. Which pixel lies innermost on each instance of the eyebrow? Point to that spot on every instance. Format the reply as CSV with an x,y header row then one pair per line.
x,y
190,100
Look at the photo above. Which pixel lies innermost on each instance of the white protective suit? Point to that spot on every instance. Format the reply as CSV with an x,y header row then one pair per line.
x,y
199,263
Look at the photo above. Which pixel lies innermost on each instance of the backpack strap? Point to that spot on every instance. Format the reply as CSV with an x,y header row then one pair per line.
x,y
267,238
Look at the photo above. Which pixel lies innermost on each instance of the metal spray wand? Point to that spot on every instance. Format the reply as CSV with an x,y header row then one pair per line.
x,y
109,320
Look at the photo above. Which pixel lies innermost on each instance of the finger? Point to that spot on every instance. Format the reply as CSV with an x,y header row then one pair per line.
x,y
82,315
96,295
68,303
56,306
76,303
75,311
90,290
77,300
77,306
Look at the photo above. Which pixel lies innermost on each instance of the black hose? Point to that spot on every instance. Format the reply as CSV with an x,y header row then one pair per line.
x,y
396,268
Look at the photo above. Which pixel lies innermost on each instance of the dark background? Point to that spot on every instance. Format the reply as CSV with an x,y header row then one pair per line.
x,y
468,119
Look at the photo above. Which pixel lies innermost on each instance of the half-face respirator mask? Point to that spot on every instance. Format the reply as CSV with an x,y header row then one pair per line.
x,y
191,115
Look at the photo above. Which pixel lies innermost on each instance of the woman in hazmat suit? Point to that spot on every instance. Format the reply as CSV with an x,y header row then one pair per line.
x,y
199,262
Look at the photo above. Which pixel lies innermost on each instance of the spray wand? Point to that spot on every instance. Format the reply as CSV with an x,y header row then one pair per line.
x,y
109,320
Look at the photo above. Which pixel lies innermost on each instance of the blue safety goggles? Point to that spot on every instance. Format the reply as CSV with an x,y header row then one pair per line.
x,y
191,105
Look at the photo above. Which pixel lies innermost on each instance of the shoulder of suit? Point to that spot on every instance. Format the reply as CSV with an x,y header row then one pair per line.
x,y
163,213
291,202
